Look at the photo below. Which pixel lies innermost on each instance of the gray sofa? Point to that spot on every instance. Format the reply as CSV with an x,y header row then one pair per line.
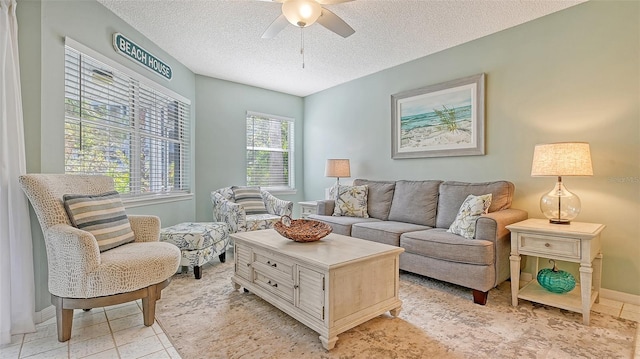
x,y
415,215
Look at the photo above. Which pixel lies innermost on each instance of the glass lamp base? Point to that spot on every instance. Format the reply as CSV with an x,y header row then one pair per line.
x,y
560,206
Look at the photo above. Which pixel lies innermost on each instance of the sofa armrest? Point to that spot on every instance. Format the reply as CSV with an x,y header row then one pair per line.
x,y
228,212
145,228
277,206
491,226
325,207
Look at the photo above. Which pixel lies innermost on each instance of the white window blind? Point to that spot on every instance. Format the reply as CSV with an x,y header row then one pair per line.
x,y
269,151
117,126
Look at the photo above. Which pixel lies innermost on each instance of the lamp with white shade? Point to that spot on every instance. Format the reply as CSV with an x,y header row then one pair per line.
x,y
336,167
561,159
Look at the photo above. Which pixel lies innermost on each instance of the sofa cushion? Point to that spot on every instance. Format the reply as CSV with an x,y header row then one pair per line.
x,y
351,201
416,202
102,215
437,243
250,199
452,194
341,225
470,210
379,197
387,232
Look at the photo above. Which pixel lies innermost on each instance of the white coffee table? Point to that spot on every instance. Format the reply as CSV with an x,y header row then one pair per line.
x,y
331,285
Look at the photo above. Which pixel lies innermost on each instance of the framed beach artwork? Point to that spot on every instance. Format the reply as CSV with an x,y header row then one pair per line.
x,y
440,120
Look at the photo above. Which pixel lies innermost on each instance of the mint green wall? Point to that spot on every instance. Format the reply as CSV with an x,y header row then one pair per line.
x,y
220,137
43,26
569,76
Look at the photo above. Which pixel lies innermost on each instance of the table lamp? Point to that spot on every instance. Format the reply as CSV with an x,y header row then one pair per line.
x,y
561,159
337,167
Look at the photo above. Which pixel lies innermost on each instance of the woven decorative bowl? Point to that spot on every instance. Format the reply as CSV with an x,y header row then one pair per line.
x,y
302,230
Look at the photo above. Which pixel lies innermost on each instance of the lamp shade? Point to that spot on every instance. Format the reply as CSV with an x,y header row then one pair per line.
x,y
301,13
337,167
562,159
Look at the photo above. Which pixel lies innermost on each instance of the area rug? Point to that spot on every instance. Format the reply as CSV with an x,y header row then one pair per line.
x,y
207,318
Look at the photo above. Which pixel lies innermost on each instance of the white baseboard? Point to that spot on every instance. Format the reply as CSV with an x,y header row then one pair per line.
x,y
45,314
620,297
604,293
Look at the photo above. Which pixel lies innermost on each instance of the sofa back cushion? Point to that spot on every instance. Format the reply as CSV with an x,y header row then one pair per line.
x,y
379,197
416,202
453,193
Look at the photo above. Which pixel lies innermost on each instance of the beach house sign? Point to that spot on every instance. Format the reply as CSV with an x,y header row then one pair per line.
x,y
137,54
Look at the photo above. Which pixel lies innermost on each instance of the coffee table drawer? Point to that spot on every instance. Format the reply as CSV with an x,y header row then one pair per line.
x,y
282,289
274,263
559,246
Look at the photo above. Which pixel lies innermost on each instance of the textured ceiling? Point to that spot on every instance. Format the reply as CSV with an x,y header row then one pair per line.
x,y
222,39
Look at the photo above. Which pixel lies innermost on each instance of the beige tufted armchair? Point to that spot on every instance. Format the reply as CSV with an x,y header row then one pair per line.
x,y
82,277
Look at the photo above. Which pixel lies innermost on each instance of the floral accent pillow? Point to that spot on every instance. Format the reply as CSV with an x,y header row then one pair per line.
x,y
470,210
351,201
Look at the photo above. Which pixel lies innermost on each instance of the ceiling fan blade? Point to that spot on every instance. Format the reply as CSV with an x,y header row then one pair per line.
x,y
331,2
276,26
334,23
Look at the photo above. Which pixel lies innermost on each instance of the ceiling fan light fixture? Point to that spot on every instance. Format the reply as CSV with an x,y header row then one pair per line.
x,y
301,13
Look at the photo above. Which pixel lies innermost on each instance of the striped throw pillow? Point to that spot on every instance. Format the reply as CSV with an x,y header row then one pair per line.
x,y
250,199
102,215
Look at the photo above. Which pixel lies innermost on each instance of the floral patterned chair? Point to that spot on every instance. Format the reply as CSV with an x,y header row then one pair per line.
x,y
225,209
83,274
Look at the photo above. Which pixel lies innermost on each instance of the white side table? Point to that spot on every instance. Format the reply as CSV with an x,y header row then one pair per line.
x,y
576,242
307,208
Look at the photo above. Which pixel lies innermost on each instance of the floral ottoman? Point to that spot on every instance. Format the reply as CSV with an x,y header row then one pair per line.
x,y
198,242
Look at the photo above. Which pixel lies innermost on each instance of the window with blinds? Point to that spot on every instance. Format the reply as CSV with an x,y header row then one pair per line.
x,y
117,126
269,151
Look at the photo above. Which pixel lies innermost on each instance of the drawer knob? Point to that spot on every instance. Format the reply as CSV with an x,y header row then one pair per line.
x,y
547,245
273,284
274,265
248,264
296,286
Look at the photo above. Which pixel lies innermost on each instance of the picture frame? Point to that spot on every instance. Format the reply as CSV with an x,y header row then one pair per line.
x,y
445,119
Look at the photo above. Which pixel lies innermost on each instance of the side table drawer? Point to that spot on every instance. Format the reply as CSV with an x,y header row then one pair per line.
x,y
549,245
307,210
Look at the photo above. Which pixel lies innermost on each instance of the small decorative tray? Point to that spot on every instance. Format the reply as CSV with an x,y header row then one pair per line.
x,y
302,230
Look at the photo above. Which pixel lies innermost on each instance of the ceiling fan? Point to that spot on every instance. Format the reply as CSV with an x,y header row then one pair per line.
x,y
304,13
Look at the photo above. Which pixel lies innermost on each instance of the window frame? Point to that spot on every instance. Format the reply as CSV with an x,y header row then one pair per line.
x,y
142,198
291,188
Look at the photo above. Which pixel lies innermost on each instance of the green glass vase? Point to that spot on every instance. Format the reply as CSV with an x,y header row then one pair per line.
x,y
555,280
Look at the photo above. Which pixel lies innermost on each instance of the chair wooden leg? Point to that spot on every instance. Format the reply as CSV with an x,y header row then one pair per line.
x,y
149,305
480,297
64,319
223,257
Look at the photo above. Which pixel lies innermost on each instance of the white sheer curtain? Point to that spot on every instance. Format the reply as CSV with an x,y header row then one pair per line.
x,y
17,293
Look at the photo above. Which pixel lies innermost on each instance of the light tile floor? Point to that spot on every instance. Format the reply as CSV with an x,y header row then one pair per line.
x,y
103,333
118,332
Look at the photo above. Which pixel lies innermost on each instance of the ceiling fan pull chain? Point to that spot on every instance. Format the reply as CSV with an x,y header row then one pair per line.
x,y
302,45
